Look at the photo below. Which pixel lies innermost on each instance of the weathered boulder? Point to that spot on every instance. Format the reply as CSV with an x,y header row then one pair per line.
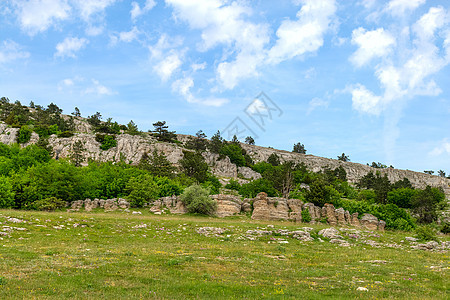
x,y
340,216
354,220
110,205
227,205
369,221
265,208
246,205
123,203
248,173
331,233
348,218
330,214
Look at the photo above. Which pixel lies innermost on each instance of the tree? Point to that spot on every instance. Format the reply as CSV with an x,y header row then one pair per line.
x,y
143,189
216,143
235,140
429,172
157,164
132,128
194,165
249,140
274,159
95,119
234,152
6,193
425,204
441,173
77,153
162,133
197,200
378,165
77,113
198,142
299,148
343,157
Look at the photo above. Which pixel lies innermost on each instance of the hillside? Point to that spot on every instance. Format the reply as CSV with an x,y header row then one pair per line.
x,y
131,148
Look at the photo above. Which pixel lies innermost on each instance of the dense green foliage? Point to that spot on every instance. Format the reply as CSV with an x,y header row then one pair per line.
x,y
197,200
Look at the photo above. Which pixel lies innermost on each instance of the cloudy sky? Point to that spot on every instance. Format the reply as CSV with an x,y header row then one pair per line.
x,y
370,78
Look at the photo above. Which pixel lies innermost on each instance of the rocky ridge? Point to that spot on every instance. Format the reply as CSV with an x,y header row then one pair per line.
x,y
130,148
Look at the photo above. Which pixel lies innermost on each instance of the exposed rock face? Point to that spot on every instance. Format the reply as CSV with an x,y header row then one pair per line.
x,y
173,203
340,216
265,208
108,205
331,233
354,220
227,205
131,148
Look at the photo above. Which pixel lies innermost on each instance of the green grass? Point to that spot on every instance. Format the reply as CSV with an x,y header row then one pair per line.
x,y
114,255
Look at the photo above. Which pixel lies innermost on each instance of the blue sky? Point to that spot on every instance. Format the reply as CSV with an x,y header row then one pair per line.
x,y
370,78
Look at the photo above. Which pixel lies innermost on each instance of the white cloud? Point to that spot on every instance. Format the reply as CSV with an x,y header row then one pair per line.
x,y
371,44
70,46
184,85
10,51
196,67
88,8
98,89
399,7
365,101
168,65
223,24
136,10
304,35
38,15
316,103
125,36
443,148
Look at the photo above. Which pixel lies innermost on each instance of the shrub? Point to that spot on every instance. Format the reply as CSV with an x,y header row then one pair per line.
x,y
6,193
24,135
402,224
306,217
253,188
401,197
426,233
445,228
107,141
233,185
197,200
49,204
143,189
234,152
320,193
65,134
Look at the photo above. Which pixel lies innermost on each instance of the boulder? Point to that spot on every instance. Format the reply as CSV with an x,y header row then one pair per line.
x,y
340,216
330,214
369,221
123,203
331,233
246,205
354,220
381,225
110,205
265,208
227,205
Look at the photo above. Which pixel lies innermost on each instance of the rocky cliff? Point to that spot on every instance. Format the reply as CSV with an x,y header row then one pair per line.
x,y
131,148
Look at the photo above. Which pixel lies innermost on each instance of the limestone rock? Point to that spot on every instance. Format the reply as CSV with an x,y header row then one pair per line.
x,y
227,205
331,233
265,208
381,225
246,205
369,221
340,216
247,172
355,221
330,214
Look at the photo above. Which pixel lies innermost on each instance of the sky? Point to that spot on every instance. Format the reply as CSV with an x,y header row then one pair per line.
x,y
369,78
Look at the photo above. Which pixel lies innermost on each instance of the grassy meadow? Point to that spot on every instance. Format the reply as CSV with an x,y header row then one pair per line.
x,y
120,255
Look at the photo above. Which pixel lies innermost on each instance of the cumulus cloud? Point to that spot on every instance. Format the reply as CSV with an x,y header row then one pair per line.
x,y
98,89
399,7
184,85
305,34
10,51
136,10
168,65
442,148
371,44
365,101
88,8
125,36
38,15
70,46
223,24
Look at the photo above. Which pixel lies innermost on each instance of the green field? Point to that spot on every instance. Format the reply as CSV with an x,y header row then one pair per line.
x,y
121,255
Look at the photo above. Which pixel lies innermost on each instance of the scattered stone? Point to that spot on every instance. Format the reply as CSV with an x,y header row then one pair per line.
x,y
363,289
369,221
210,231
331,233
411,239
15,220
137,213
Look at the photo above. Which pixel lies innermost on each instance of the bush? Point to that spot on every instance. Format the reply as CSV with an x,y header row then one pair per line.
x,y
234,152
143,189
320,193
306,217
65,134
401,197
233,185
107,141
445,228
6,193
253,188
197,200
24,135
402,224
426,233
49,204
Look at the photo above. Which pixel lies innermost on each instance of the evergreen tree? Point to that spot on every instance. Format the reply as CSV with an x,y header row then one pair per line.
x,y
249,140
216,143
343,157
77,153
194,165
162,133
157,164
132,128
299,148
